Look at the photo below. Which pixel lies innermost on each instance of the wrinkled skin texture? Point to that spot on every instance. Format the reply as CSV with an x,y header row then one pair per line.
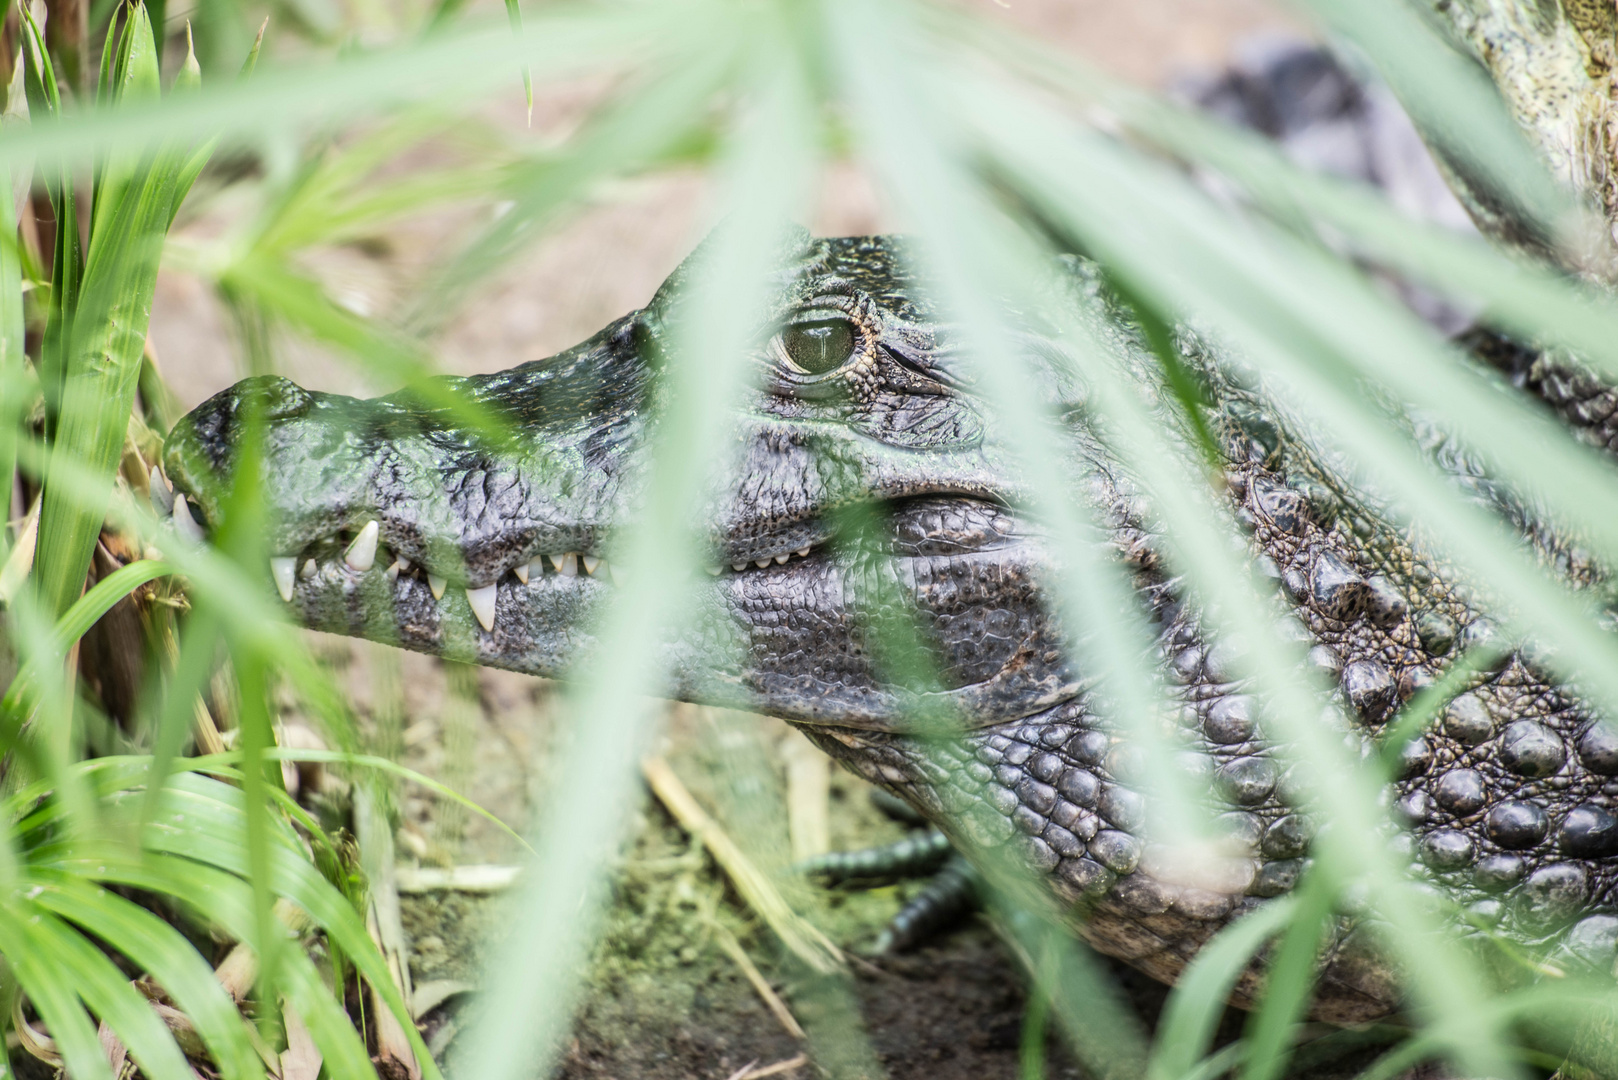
x,y
1508,799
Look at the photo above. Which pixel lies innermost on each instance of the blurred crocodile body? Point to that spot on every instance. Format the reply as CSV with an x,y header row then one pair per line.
x,y
861,401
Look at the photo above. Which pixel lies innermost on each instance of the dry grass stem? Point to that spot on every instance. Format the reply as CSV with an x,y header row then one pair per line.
x,y
808,796
301,1060
474,878
382,919
733,949
791,1064
801,937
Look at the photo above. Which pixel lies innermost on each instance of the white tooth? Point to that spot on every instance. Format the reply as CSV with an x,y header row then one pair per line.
x,y
482,601
738,566
569,564
521,570
802,551
761,563
782,558
162,497
283,569
361,554
590,563
184,523
393,570
715,571
403,564
436,584
536,567
309,569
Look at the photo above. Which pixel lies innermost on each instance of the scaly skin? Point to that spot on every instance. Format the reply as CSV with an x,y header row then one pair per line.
x,y
1555,63
1508,799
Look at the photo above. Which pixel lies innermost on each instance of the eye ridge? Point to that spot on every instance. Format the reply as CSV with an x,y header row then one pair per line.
x,y
819,346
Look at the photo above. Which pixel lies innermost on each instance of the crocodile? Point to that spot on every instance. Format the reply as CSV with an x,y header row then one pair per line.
x,y
391,521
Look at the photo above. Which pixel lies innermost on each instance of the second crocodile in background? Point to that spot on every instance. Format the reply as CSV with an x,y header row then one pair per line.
x,y
392,523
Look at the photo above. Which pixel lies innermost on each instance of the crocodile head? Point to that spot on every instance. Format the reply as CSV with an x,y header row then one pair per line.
x,y
501,554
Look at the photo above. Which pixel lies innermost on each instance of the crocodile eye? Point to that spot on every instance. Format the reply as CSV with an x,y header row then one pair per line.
x,y
815,348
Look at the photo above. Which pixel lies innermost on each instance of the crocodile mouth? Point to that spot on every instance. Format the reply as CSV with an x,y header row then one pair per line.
x,y
926,526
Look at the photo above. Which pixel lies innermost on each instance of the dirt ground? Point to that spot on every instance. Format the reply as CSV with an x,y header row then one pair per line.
x,y
665,1000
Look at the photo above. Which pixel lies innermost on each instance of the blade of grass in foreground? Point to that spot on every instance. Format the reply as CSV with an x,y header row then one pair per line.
x,y
108,328
529,1000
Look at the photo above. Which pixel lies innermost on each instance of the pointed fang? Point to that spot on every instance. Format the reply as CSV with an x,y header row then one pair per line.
x,y
162,497
536,567
309,569
482,601
361,554
568,565
395,569
521,570
184,523
590,563
436,584
284,569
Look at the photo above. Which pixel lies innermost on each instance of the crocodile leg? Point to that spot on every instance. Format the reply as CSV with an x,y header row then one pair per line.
x,y
950,894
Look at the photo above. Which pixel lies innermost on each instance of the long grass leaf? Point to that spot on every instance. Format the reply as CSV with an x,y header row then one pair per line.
x,y
161,950
39,976
568,40
628,134
71,626
107,992
1197,1002
225,900
531,992
205,822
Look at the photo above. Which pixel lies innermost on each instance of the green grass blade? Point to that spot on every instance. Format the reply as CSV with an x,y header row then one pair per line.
x,y
565,41
39,973
514,16
1289,984
132,208
1457,109
67,262
532,990
107,992
161,950
630,133
204,820
1197,1003
84,613
222,899
365,761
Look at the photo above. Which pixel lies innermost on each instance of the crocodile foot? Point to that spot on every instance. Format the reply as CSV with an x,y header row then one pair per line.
x,y
950,895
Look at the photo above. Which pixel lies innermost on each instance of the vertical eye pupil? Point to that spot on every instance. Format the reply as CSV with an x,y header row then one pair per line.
x,y
819,347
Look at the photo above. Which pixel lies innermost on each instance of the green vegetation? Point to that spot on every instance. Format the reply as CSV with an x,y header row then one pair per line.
x,y
120,852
